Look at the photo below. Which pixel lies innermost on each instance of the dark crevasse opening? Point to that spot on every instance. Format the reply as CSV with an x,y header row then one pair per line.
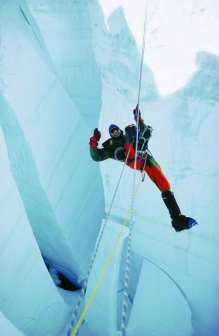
x,y
60,279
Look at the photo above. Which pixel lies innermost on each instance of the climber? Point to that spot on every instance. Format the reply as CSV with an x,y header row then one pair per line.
x,y
122,147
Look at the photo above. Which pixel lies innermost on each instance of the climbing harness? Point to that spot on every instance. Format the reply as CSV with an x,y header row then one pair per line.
x,y
144,137
143,164
144,134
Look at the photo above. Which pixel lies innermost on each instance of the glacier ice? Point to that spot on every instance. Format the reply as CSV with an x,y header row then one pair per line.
x,y
63,73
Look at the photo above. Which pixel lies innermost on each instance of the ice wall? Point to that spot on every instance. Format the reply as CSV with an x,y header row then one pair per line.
x,y
43,132
185,142
40,120
67,32
7,328
60,68
28,296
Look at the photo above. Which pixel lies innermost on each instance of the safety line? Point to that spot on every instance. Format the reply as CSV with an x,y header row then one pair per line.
x,y
104,269
141,69
84,286
128,258
131,222
103,228
143,50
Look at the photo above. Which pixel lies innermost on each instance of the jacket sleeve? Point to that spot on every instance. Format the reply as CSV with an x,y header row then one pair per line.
x,y
99,154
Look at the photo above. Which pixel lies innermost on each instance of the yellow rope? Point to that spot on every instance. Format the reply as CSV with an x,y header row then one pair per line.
x,y
104,269
129,210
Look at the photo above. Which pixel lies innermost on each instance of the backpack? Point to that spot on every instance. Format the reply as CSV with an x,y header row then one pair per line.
x,y
144,134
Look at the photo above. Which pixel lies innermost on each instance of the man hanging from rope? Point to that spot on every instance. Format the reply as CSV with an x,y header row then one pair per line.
x,y
123,147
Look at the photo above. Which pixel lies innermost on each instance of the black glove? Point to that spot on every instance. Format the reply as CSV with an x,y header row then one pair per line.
x,y
137,114
148,132
97,134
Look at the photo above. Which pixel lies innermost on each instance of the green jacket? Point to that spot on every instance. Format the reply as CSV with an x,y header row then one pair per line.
x,y
108,150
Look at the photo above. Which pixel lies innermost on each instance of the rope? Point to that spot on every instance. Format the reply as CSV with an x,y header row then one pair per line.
x,y
131,223
130,212
141,67
84,286
142,50
104,269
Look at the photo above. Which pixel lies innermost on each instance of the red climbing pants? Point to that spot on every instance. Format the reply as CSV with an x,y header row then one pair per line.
x,y
151,167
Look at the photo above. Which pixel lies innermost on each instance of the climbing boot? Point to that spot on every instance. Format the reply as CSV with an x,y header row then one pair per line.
x,y
179,221
182,222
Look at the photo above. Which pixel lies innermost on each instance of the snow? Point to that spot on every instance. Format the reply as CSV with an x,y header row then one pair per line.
x,y
65,68
171,26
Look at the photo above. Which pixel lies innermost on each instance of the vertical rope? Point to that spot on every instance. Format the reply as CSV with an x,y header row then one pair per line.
x,y
142,50
141,69
84,286
131,223
104,269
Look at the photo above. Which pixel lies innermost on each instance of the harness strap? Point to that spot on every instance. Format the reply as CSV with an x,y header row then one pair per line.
x,y
142,160
131,160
